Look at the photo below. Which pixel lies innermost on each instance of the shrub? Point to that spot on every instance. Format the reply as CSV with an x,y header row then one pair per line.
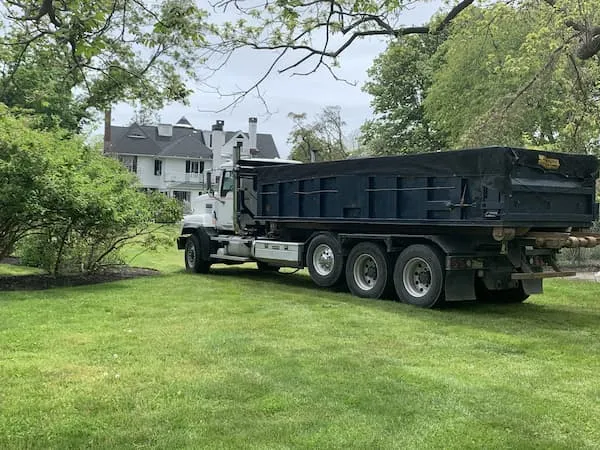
x,y
77,207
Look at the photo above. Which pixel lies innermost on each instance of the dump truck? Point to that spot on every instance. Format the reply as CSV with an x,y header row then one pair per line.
x,y
475,224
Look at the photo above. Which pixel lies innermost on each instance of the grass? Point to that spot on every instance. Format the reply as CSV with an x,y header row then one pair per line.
x,y
238,359
11,269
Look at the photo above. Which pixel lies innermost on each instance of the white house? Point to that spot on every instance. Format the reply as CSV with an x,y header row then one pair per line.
x,y
174,159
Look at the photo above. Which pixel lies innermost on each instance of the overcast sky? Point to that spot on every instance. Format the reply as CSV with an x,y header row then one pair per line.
x,y
283,93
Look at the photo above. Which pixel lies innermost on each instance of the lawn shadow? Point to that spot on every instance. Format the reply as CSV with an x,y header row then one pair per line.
x,y
529,312
288,278
484,315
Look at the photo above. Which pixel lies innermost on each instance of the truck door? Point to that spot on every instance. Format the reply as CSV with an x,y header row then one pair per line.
x,y
224,208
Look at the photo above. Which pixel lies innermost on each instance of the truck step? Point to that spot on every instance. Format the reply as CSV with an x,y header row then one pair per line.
x,y
240,259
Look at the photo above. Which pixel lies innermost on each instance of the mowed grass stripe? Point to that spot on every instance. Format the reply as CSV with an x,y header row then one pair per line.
x,y
242,359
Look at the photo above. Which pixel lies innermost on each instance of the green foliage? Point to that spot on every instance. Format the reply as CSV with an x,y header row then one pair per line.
x,y
78,204
506,75
399,81
325,136
57,250
64,61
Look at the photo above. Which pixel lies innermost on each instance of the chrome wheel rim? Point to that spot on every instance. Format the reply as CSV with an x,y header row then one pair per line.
x,y
190,254
323,260
416,277
365,272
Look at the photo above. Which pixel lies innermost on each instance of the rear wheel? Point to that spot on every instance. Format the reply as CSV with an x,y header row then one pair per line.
x,y
325,260
367,270
419,276
193,256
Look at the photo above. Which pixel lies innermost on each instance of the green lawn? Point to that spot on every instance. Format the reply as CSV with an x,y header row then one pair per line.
x,y
241,359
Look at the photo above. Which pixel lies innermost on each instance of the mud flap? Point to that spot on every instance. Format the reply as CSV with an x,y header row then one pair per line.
x,y
460,285
531,287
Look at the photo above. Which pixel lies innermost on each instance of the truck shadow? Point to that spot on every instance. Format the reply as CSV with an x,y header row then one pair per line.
x,y
533,312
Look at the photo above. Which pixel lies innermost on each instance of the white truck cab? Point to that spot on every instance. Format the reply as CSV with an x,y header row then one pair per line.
x,y
215,208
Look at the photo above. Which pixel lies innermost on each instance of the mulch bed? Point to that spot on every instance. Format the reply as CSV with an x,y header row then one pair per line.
x,y
42,281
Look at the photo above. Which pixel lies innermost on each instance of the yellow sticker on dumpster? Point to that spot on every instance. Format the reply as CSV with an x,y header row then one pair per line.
x,y
548,163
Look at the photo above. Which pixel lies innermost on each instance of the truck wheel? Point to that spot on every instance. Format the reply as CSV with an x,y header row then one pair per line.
x,y
419,276
266,267
513,295
367,270
325,260
193,256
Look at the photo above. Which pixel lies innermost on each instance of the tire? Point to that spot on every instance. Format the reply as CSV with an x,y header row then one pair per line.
x,y
193,256
419,276
367,270
266,267
325,260
503,296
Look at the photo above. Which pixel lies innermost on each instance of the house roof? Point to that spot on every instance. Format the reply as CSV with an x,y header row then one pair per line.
x,y
190,146
144,140
185,141
133,140
264,142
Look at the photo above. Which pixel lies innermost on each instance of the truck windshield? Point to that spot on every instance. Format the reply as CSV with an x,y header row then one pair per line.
x,y
227,183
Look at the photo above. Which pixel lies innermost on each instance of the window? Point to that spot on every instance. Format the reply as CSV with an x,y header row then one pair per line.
x,y
130,162
227,183
183,196
194,166
157,167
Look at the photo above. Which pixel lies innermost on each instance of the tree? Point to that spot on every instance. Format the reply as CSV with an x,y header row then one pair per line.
x,y
66,59
145,116
79,203
399,81
317,32
324,136
509,75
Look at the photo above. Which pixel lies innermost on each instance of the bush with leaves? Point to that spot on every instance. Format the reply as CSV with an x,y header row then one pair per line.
x,y
72,203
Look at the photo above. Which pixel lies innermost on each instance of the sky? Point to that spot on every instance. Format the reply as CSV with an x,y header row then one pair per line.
x,y
283,93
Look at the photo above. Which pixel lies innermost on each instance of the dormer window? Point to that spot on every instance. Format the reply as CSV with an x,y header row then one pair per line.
x,y
164,130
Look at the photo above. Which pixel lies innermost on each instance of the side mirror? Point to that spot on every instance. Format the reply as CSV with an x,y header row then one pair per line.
x,y
208,182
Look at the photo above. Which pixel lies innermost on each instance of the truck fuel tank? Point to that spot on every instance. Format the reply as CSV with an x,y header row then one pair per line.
x,y
288,253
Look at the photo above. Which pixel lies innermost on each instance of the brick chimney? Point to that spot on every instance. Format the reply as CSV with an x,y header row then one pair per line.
x,y
107,130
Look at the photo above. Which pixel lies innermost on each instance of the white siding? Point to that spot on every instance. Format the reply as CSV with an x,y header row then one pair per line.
x,y
145,171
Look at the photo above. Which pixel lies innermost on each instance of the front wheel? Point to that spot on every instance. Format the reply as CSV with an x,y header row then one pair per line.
x,y
419,276
367,270
193,256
